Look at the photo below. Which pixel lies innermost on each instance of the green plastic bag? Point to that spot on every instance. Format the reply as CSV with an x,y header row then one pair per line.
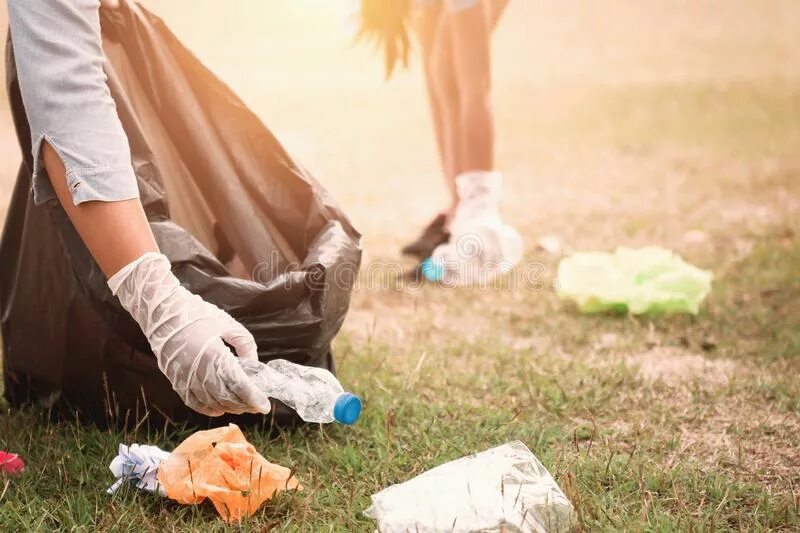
x,y
645,280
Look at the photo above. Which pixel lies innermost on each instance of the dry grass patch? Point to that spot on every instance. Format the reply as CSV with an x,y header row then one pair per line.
x,y
677,367
747,438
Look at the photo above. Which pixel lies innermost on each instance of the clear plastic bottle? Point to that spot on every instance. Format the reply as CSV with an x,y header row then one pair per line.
x,y
314,393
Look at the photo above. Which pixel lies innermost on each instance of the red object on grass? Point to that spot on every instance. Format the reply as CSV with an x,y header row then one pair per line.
x,y
10,463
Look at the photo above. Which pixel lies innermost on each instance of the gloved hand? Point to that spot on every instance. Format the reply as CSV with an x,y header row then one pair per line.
x,y
186,334
481,245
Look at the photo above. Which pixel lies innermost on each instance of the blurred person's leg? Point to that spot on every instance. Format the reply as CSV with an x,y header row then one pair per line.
x,y
428,19
455,49
116,233
470,34
436,54
459,95
442,77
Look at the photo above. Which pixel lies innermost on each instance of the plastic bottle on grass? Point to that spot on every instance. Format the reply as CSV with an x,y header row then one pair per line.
x,y
314,393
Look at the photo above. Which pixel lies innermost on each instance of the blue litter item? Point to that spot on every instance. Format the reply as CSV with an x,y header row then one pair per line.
x,y
347,408
432,270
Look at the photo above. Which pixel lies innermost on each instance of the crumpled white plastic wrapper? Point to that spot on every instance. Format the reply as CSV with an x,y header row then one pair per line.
x,y
138,463
502,489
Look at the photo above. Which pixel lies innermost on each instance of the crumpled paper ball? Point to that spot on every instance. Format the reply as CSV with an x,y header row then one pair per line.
x,y
138,463
644,280
219,464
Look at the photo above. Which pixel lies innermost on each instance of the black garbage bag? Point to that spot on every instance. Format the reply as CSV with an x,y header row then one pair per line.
x,y
216,186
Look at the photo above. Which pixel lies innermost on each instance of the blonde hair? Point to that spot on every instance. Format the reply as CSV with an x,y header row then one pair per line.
x,y
386,23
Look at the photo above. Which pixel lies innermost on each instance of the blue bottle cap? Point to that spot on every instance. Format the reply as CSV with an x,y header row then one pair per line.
x,y
347,408
432,270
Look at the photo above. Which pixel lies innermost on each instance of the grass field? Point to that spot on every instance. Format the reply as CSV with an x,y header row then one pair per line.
x,y
620,123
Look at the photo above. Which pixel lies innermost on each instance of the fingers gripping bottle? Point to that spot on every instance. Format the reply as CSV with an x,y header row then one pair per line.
x,y
314,393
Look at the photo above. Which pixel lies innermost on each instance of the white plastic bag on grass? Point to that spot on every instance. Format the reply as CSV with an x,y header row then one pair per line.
x,y
502,489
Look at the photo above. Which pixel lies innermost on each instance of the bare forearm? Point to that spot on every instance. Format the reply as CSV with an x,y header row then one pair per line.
x,y
471,35
116,233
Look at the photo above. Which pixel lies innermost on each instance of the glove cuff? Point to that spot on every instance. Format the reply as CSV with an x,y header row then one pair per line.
x,y
116,281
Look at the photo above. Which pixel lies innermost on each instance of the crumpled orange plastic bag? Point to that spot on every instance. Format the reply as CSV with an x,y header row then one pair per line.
x,y
219,464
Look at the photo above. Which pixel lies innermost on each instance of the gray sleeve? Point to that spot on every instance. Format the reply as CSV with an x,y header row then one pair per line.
x,y
59,57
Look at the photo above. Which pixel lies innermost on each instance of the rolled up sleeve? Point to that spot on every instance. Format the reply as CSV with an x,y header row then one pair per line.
x,y
60,62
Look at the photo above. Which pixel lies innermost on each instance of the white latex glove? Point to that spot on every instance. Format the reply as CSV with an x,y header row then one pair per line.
x,y
478,198
481,245
186,334
477,226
